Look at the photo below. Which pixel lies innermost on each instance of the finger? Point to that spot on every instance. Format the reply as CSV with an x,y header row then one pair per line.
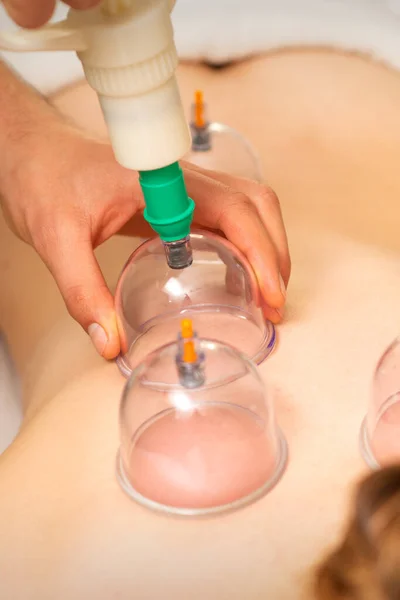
x,y
221,207
30,14
268,207
73,265
275,315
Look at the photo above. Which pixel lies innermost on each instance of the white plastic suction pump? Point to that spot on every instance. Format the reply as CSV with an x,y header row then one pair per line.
x,y
129,58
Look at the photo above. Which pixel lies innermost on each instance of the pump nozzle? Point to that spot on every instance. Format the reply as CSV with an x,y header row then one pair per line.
x,y
169,211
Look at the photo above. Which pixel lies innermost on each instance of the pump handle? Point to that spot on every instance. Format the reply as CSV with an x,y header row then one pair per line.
x,y
53,36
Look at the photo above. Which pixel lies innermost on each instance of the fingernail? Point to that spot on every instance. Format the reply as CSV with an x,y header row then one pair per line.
x,y
98,336
282,286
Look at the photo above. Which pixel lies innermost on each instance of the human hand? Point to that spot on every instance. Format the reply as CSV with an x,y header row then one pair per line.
x,y
35,13
65,195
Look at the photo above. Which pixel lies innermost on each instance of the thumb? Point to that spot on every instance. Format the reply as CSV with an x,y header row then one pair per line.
x,y
89,301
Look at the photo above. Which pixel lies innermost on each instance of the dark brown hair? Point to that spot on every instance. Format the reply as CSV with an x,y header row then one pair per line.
x,y
366,565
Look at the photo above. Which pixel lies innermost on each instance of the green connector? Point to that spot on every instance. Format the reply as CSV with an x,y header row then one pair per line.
x,y
169,210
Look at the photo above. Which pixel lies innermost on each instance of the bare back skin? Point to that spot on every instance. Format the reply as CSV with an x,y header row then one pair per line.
x,y
328,130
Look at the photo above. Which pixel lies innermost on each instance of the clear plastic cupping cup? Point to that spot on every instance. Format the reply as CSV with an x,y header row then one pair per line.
x,y
198,434
380,431
219,292
219,147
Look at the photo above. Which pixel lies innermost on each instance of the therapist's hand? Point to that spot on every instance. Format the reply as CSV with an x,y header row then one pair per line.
x,y
35,13
65,194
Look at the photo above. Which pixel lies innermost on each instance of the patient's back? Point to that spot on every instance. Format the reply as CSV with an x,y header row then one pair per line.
x,y
70,531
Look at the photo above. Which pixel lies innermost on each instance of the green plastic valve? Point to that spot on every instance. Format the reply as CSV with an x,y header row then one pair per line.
x,y
169,210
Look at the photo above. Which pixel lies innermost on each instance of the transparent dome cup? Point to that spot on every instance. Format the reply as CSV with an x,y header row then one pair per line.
x,y
219,292
229,152
198,451
380,432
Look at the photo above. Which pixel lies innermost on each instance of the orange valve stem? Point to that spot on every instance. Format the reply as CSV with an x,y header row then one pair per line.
x,y
199,109
187,329
188,361
189,351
